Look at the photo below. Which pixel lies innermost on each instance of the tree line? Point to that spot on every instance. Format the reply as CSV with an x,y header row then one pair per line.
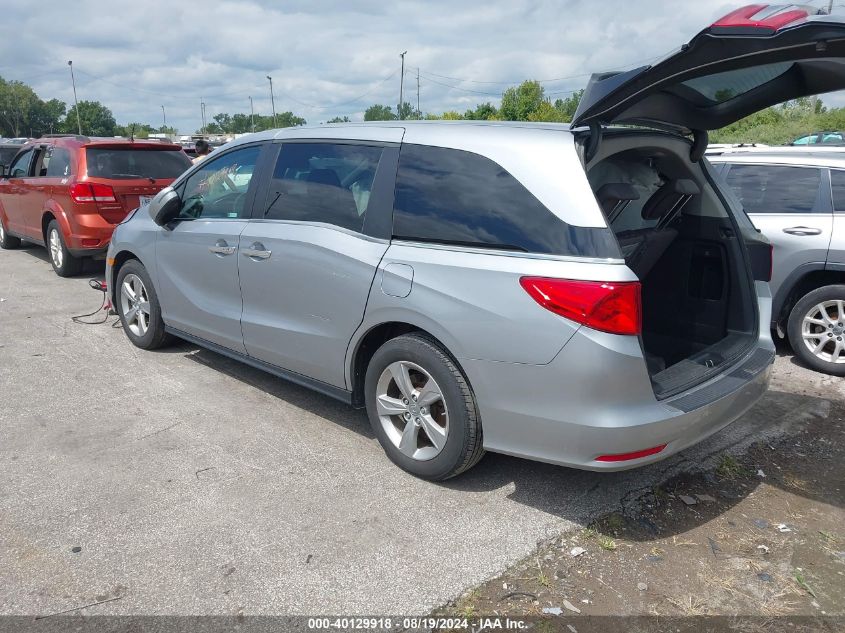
x,y
24,113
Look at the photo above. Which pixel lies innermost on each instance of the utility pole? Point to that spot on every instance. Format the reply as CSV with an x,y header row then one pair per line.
x,y
251,115
419,113
401,84
164,117
202,112
830,7
272,99
75,102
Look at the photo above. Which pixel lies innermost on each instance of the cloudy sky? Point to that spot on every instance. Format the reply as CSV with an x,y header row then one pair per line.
x,y
327,57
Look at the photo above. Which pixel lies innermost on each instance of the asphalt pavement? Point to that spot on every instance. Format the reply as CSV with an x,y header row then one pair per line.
x,y
182,482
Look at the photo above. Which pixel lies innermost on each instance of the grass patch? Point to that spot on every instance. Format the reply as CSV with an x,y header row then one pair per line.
x,y
607,543
730,468
802,582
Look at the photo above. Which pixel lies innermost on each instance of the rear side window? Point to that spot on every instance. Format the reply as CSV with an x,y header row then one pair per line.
x,y
323,182
837,182
20,166
775,188
56,163
127,163
456,197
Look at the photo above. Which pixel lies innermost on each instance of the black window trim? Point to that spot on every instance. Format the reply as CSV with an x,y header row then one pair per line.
x,y
260,164
821,205
378,221
830,170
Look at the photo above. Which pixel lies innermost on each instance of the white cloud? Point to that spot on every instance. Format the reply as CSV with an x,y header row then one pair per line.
x,y
323,54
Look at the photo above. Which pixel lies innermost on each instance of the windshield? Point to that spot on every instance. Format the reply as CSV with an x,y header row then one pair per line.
x,y
125,163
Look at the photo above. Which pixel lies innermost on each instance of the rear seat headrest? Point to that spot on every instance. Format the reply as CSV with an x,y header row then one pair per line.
x,y
611,193
668,196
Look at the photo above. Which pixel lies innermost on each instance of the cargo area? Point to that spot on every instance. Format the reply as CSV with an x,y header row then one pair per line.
x,y
678,237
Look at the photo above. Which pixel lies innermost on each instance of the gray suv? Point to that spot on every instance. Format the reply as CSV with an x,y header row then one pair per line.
x,y
798,201
585,295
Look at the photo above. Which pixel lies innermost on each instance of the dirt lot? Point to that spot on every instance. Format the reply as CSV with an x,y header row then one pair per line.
x,y
760,534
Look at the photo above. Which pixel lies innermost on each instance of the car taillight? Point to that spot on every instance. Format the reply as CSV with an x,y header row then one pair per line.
x,y
761,17
92,192
609,306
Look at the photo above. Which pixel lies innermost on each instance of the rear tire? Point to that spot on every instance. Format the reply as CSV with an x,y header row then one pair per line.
x,y
137,306
65,264
422,408
7,242
816,329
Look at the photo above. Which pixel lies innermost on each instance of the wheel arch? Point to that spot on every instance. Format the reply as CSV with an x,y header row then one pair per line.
x,y
364,347
53,211
120,259
802,280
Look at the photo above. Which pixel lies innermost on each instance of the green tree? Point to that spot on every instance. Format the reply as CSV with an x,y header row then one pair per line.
x,y
482,112
569,105
337,119
379,113
407,112
519,103
97,119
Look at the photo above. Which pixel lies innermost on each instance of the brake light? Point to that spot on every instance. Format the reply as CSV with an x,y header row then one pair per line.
x,y
761,17
624,457
608,306
92,192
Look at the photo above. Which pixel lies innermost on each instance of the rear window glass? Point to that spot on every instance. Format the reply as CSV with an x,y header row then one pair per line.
x,y
7,154
720,87
775,189
129,163
837,181
456,197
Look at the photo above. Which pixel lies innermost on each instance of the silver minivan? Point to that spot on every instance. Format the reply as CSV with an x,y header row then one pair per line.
x,y
584,295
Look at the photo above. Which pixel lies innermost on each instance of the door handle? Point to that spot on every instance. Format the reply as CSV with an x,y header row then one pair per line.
x,y
222,249
256,250
802,230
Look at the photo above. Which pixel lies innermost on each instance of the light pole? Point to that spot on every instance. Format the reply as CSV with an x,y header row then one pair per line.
x,y
402,84
202,112
251,115
164,117
272,99
75,101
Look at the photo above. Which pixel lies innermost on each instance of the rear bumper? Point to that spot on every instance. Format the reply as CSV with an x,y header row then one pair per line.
x,y
89,234
596,399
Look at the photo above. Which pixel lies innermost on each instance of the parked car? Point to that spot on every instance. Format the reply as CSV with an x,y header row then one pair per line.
x,y
7,153
69,192
588,296
829,137
798,201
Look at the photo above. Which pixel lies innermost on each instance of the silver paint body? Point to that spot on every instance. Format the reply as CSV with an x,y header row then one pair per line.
x,y
546,387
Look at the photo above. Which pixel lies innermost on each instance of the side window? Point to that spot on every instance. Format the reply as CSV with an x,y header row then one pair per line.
x,y
806,140
323,182
219,188
775,189
833,137
837,182
20,166
56,163
453,196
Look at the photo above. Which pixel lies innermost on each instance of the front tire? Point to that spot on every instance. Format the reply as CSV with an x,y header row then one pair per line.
x,y
422,408
816,329
65,264
7,242
138,307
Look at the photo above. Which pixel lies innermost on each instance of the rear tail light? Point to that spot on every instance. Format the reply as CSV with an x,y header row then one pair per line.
x,y
761,17
609,306
92,192
624,457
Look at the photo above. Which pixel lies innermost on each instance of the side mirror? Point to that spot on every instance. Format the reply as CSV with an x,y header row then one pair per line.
x,y
165,206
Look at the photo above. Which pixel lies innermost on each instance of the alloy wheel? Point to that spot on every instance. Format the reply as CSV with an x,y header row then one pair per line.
x,y
412,410
56,252
135,304
823,331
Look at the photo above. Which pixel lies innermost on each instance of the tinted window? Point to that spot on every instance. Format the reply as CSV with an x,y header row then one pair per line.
x,y
7,154
20,166
806,140
323,182
775,189
833,137
218,189
125,163
720,87
452,196
55,163
837,181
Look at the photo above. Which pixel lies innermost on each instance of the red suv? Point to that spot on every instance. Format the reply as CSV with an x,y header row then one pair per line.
x,y
69,192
